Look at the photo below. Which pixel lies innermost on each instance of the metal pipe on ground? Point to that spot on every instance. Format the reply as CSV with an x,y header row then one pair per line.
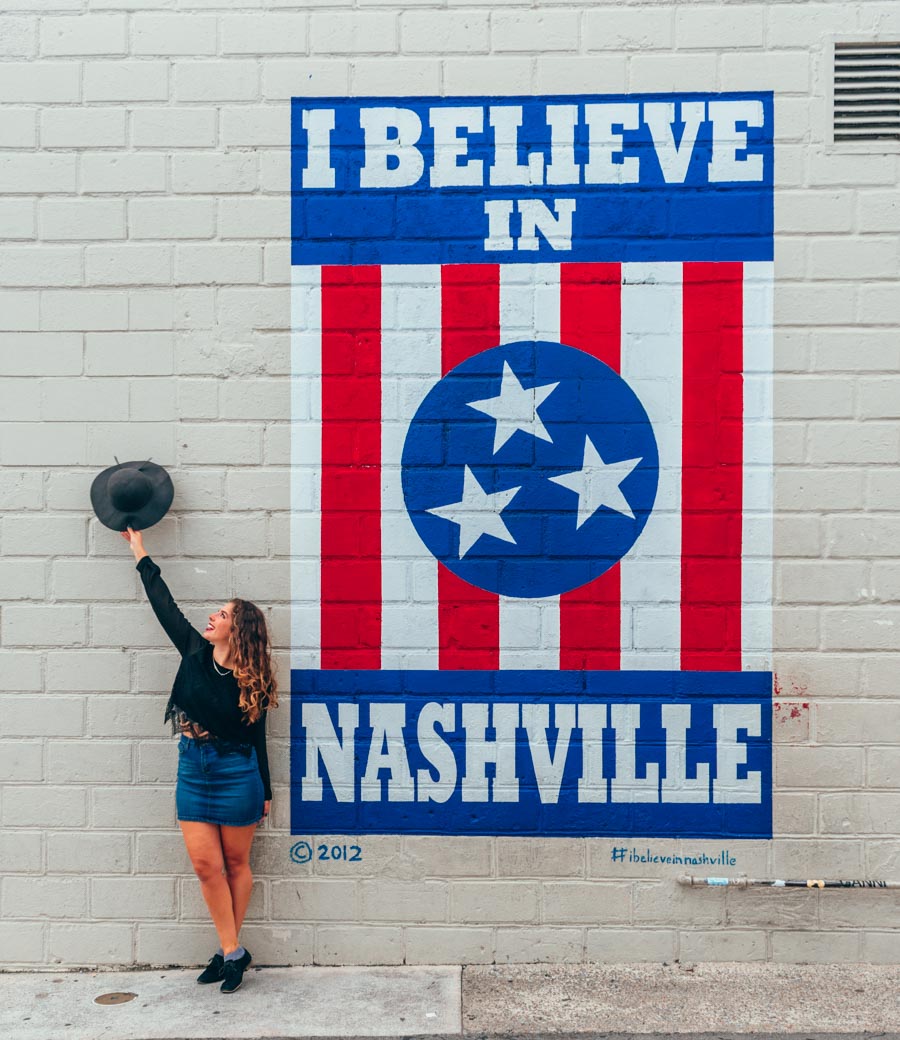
x,y
744,882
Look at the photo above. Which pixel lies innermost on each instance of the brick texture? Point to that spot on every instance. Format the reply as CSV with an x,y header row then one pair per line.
x,y
145,311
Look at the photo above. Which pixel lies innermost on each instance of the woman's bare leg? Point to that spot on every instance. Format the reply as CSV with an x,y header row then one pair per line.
x,y
236,843
204,846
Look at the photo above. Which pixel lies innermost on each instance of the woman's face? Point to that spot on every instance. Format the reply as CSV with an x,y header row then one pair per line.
x,y
219,628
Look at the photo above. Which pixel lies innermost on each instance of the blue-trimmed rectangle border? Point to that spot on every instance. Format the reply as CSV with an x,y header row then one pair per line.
x,y
738,757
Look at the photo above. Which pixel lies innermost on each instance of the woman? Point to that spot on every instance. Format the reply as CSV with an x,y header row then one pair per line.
x,y
222,692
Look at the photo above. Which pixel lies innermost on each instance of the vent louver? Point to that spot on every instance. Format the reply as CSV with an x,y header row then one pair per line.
x,y
867,91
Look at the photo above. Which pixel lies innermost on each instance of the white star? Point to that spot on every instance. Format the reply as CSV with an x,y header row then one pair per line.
x,y
515,408
477,513
598,484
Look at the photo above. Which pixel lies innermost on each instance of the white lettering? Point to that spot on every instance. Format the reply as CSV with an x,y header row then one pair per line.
x,y
318,124
627,786
728,140
437,751
591,722
337,755
536,216
731,753
387,751
450,147
506,120
394,156
674,159
548,769
494,737
500,751
391,134
498,213
676,786
562,169
604,143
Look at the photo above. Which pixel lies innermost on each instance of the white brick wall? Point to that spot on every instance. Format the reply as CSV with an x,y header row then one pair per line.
x,y
143,311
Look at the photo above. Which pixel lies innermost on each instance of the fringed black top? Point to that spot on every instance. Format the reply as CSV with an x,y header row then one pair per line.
x,y
203,701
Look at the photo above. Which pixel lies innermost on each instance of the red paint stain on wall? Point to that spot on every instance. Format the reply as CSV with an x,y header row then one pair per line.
x,y
791,721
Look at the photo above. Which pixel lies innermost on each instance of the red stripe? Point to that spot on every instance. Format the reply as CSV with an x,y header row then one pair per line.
x,y
712,457
591,319
468,617
351,467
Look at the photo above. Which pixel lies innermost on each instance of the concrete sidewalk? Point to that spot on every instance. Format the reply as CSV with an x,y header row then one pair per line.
x,y
533,1001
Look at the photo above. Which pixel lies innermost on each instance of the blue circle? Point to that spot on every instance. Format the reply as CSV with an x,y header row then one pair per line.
x,y
556,539
301,852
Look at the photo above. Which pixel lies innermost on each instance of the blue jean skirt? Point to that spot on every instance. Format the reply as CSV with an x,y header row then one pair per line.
x,y
217,786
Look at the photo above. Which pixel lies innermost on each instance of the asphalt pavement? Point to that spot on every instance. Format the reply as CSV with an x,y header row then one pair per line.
x,y
525,1002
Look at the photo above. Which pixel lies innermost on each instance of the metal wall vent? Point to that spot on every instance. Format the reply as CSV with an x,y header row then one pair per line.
x,y
866,91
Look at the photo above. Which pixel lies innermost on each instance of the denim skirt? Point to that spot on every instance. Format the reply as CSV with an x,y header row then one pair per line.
x,y
217,786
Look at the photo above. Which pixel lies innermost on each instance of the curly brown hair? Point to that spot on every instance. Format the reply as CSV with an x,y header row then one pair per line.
x,y
252,657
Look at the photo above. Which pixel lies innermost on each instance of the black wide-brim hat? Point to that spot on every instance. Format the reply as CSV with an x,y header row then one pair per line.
x,y
132,494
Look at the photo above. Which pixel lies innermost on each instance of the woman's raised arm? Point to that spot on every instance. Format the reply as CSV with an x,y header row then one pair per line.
x,y
177,627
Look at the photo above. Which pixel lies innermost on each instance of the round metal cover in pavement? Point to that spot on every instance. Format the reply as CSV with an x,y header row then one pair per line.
x,y
114,998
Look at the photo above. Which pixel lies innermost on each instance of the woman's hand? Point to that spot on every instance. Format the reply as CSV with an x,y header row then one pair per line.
x,y
267,805
136,541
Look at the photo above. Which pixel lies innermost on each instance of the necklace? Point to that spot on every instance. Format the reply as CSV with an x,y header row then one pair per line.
x,y
226,672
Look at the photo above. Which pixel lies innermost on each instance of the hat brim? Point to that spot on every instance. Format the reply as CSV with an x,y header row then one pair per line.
x,y
156,507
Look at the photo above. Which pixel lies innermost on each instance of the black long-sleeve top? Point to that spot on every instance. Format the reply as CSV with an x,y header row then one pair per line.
x,y
200,695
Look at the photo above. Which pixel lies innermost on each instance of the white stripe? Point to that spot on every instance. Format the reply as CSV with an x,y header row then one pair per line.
x,y
529,310
546,301
410,366
758,492
306,466
651,365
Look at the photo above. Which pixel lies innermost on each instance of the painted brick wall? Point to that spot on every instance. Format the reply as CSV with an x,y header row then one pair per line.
x,y
145,312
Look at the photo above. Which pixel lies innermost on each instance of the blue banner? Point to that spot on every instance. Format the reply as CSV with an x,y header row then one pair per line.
x,y
559,178
653,754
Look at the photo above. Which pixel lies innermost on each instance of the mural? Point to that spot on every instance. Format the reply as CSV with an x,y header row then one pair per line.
x,y
531,465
